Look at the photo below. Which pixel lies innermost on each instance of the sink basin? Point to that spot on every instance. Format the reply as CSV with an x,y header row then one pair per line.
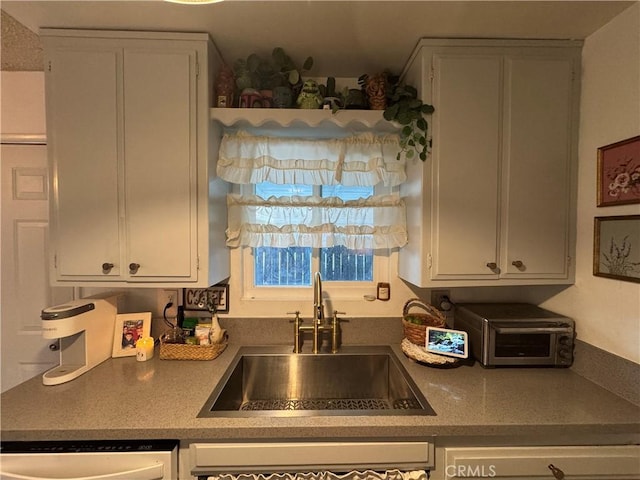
x,y
272,381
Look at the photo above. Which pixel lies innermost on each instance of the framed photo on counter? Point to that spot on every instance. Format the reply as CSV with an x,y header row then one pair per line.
x,y
129,328
617,247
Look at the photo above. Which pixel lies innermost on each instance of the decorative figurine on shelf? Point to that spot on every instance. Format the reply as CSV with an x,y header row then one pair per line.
x,y
310,96
225,85
282,97
250,98
375,87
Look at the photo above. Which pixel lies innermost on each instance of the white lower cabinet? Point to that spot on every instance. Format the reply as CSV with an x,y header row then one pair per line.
x,y
135,201
561,462
494,203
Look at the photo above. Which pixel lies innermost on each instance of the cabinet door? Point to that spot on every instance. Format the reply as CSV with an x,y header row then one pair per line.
x,y
160,162
466,138
82,108
537,153
511,463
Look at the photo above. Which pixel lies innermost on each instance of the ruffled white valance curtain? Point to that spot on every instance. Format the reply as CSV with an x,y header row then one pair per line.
x,y
362,160
376,222
371,223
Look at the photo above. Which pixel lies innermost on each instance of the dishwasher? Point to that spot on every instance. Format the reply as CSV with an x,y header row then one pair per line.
x,y
91,459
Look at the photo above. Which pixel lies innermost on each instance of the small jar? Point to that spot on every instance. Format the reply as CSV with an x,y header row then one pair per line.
x,y
384,291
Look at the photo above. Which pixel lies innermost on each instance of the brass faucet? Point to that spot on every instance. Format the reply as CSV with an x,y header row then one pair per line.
x,y
319,325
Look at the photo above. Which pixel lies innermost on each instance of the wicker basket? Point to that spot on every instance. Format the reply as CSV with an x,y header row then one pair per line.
x,y
431,317
183,351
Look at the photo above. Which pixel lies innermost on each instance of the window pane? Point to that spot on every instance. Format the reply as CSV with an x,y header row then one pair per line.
x,y
293,266
340,264
282,266
266,190
346,193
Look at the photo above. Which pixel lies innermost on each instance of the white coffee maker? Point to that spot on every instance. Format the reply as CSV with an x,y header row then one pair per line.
x,y
85,329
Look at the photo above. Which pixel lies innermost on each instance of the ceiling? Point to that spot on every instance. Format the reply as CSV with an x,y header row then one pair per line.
x,y
346,38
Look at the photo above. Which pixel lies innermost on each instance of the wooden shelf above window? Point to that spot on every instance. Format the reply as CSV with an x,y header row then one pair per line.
x,y
267,118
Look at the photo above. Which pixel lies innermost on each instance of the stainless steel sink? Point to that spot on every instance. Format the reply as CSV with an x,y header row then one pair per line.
x,y
272,381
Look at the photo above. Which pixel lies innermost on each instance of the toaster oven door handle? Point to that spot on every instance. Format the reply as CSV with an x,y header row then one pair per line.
x,y
533,329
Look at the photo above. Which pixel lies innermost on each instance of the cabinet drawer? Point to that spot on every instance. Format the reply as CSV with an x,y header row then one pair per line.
x,y
586,462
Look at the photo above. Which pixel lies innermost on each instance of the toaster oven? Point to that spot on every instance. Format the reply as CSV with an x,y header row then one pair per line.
x,y
516,334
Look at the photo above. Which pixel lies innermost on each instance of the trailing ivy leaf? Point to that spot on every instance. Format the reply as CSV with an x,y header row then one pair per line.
x,y
308,64
423,155
421,123
409,154
411,91
406,131
427,109
390,112
422,141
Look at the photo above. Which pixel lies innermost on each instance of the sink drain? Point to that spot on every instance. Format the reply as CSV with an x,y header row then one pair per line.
x,y
331,404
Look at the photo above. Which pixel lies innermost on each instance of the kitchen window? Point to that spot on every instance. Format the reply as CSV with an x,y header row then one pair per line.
x,y
306,205
294,266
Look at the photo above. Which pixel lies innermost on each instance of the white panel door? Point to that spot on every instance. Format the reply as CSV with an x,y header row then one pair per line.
x,y
467,100
25,280
82,110
537,156
160,162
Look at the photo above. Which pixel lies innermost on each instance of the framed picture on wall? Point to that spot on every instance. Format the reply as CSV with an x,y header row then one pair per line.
x,y
619,173
617,247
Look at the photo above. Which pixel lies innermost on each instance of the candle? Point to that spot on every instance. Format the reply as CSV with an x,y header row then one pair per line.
x,y
144,349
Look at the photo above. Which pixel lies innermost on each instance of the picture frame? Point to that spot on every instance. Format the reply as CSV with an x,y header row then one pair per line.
x,y
616,251
619,173
218,294
128,329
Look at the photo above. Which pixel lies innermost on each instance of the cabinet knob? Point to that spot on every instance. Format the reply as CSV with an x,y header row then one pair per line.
x,y
54,346
133,268
106,267
492,265
517,264
557,473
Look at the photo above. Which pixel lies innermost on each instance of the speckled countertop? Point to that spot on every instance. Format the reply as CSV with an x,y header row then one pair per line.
x,y
122,398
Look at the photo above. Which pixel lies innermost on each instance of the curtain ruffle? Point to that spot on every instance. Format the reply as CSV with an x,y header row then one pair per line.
x,y
376,222
360,160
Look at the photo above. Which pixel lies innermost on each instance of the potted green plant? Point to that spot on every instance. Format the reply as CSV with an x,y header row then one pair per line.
x,y
287,69
405,108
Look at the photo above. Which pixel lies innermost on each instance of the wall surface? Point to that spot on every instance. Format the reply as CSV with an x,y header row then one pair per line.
x,y
607,312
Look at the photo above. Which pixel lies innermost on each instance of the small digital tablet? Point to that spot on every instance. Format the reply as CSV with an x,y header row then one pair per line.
x,y
453,343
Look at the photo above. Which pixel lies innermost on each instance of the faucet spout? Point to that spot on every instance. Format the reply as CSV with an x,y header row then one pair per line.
x,y
318,309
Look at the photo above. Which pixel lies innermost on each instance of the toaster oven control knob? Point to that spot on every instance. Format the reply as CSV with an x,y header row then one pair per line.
x,y
564,341
564,353
133,268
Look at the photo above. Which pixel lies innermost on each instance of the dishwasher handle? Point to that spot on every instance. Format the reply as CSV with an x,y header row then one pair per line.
x,y
150,472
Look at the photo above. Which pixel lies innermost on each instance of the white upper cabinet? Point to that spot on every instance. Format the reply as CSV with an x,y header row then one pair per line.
x,y
494,204
132,160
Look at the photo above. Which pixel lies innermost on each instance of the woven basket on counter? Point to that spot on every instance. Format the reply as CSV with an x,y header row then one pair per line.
x,y
430,317
183,351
